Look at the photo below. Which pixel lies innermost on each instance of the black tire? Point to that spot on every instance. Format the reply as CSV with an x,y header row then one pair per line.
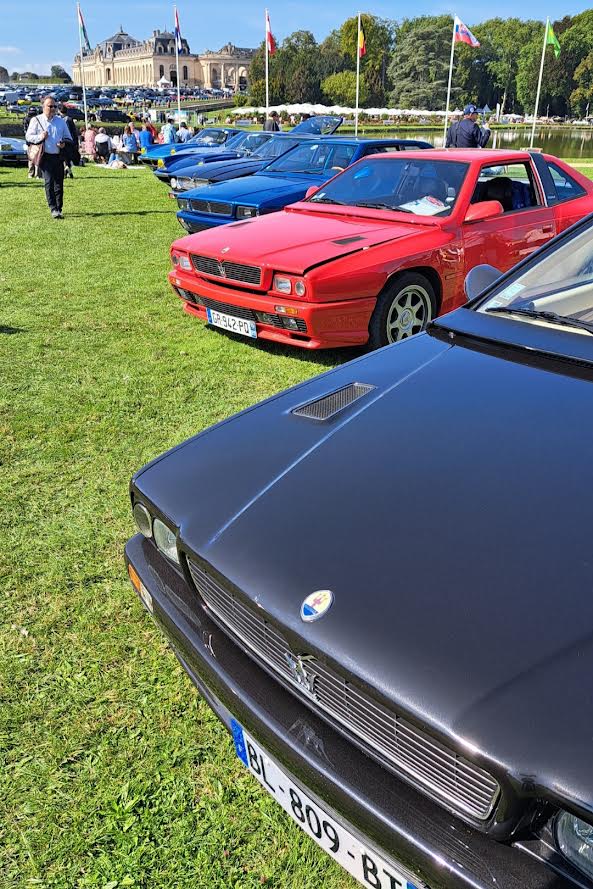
x,y
404,308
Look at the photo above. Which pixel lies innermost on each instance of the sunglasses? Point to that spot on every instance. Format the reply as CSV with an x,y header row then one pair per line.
x,y
51,106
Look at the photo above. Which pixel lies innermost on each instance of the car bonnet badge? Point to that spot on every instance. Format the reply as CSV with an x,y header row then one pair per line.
x,y
225,249
316,605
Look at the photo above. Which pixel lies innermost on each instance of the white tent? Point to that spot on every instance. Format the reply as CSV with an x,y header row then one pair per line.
x,y
164,82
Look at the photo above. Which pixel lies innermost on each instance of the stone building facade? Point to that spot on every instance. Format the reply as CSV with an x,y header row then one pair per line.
x,y
122,60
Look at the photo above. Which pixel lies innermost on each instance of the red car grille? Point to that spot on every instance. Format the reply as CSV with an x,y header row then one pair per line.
x,y
235,271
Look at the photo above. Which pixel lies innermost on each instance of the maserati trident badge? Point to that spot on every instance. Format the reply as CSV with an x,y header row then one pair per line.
x,y
298,664
316,605
225,249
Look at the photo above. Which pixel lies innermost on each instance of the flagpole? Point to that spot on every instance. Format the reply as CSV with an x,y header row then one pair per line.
x,y
267,71
357,77
539,83
177,39
449,84
86,113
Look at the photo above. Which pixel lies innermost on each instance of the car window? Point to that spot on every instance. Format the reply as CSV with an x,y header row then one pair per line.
x,y
314,157
424,188
510,184
561,282
566,187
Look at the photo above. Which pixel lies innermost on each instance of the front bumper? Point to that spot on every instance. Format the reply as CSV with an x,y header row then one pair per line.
x,y
197,222
406,826
327,325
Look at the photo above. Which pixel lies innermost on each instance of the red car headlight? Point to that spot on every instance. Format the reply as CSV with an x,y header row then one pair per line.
x,y
181,260
288,285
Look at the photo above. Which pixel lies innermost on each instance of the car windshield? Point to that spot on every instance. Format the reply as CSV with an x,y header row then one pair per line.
x,y
276,147
210,136
556,289
421,187
250,143
314,157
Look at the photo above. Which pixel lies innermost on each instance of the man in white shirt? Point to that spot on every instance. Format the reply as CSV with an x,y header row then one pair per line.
x,y
52,131
169,134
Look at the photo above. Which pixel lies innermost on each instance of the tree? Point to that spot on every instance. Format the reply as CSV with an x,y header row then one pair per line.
x,y
340,89
59,73
420,65
332,58
300,70
379,39
504,38
582,97
3,74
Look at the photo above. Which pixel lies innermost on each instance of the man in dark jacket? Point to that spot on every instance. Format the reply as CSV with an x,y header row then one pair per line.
x,y
271,125
72,151
466,133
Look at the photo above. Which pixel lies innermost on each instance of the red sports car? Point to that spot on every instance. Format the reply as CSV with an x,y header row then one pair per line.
x,y
379,250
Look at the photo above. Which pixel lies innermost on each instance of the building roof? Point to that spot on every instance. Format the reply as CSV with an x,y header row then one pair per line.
x,y
120,37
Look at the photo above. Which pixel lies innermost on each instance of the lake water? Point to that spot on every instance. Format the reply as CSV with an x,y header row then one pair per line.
x,y
569,143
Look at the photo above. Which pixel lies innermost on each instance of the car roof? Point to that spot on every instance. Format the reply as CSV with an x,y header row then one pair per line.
x,y
466,155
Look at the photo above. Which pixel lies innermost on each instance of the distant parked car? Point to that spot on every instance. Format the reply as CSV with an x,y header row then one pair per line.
x,y
110,115
12,151
206,139
242,144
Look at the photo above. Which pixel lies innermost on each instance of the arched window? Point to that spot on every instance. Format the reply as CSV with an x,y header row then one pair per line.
x,y
185,76
160,49
161,70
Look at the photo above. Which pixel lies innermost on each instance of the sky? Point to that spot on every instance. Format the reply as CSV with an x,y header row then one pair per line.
x,y
36,34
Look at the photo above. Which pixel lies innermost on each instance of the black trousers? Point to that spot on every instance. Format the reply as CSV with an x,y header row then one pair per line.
x,y
52,170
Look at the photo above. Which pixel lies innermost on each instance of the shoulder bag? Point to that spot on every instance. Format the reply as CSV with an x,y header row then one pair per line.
x,y
35,152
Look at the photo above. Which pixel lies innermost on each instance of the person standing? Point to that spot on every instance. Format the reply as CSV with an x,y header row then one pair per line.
x,y
146,138
51,131
168,132
73,152
182,132
271,125
466,133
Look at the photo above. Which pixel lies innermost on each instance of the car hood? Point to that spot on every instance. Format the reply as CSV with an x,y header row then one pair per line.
x,y
16,144
294,241
447,512
221,170
259,188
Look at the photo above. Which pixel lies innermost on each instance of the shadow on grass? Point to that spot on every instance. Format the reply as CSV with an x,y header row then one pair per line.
x,y
118,213
323,357
10,330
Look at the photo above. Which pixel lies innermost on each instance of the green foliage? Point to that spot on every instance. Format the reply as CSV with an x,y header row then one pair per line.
x,y
379,38
420,65
581,98
59,73
340,89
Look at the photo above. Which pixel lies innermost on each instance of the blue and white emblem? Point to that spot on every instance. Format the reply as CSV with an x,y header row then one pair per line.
x,y
316,605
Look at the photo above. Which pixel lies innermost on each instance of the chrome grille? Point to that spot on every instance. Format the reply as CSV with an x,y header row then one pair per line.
x,y
426,762
216,208
249,274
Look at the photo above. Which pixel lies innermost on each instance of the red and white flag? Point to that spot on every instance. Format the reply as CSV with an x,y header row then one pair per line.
x,y
270,42
463,34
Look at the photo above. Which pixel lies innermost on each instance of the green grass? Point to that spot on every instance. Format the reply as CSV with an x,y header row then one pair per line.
x,y
113,772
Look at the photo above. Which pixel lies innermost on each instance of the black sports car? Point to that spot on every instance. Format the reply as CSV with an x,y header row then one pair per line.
x,y
381,581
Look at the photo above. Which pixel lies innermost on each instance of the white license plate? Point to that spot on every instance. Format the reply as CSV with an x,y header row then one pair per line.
x,y
360,861
229,322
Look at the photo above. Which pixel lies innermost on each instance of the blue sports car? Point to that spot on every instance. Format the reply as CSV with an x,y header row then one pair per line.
x,y
190,174
282,182
206,140
243,144
12,151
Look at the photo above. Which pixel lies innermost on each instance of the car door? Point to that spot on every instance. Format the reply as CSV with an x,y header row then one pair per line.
x,y
525,224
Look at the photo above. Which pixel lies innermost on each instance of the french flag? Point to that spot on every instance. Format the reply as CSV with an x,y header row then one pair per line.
x,y
462,33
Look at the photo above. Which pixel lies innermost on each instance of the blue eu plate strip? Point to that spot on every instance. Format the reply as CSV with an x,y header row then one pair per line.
x,y
237,732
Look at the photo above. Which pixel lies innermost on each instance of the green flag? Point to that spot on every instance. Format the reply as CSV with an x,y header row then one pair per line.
x,y
551,39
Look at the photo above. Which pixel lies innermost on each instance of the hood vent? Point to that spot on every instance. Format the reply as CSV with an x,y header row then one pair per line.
x,y
351,240
327,407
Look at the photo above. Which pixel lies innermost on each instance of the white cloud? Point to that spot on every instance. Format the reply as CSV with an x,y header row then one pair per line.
x,y
10,50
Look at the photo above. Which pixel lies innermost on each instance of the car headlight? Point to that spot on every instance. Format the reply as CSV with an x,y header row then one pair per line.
x,y
246,212
282,285
182,261
197,182
165,540
183,203
143,519
173,182
575,840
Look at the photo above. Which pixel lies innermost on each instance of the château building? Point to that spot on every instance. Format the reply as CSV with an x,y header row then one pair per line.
x,y
122,60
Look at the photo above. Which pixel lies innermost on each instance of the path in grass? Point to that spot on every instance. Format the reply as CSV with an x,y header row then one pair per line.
x,y
113,773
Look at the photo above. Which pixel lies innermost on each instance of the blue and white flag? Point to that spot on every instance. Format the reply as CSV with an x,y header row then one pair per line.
x,y
178,33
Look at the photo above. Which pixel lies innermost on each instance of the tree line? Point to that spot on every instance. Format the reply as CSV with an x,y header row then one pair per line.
x,y
407,63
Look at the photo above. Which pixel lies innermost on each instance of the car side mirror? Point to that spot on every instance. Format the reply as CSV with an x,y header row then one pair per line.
x,y
480,278
483,210
313,189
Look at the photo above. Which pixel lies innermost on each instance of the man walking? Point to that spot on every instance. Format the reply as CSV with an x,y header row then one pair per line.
x,y
271,125
52,131
466,133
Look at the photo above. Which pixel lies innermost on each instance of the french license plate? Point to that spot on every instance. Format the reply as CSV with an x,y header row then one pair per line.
x,y
361,862
229,322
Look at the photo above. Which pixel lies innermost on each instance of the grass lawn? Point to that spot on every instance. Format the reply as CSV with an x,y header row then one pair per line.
x,y
113,773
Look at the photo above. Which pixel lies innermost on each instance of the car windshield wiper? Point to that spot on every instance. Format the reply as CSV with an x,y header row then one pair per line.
x,y
381,206
328,201
551,317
